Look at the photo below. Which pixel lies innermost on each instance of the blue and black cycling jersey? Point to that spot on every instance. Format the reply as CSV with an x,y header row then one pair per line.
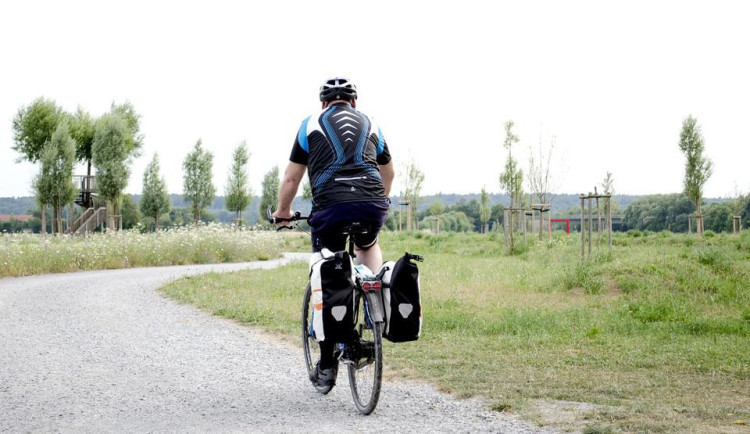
x,y
342,149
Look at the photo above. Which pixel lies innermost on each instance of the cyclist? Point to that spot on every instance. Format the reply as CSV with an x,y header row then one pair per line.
x,y
350,172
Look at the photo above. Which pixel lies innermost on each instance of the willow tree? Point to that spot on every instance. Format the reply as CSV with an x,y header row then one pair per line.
x,y
43,186
33,127
59,156
697,167
155,199
237,191
110,158
198,186
82,129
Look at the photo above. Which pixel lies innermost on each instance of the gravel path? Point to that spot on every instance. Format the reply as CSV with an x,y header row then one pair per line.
x,y
104,352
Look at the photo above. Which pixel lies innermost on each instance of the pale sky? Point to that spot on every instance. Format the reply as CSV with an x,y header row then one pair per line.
x,y
611,81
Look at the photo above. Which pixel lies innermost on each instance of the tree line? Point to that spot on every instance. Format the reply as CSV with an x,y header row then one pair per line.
x,y
56,140
44,134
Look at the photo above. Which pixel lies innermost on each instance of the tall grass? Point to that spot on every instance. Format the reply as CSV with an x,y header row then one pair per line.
x,y
26,254
655,332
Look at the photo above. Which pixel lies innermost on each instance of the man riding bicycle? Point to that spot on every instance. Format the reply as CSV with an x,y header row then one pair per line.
x,y
350,173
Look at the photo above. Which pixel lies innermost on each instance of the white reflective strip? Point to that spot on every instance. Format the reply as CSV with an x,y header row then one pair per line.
x,y
350,179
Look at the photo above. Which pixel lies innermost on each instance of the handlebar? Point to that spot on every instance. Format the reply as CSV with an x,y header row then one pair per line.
x,y
297,216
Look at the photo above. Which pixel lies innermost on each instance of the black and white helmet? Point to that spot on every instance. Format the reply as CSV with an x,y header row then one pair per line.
x,y
338,88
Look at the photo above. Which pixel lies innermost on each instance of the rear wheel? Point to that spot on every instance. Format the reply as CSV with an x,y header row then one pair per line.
x,y
310,345
366,368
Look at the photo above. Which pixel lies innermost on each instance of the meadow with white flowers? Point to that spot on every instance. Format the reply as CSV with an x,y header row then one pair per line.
x,y
28,254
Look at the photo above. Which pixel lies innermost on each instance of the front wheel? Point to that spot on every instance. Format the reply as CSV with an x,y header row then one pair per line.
x,y
366,371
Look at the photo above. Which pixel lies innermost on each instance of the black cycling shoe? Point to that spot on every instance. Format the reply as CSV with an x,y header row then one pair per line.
x,y
325,379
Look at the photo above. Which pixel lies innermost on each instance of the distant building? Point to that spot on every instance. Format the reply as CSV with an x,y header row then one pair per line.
x,y
19,217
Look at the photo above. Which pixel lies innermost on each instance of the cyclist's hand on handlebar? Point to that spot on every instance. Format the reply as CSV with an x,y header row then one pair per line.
x,y
281,218
284,219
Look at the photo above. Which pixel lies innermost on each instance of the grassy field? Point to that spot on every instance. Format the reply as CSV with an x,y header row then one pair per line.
x,y
27,254
653,336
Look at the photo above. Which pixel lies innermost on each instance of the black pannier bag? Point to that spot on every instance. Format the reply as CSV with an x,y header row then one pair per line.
x,y
332,284
403,305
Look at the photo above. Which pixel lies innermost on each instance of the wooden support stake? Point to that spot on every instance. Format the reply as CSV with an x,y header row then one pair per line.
x,y
598,222
590,224
505,227
583,235
609,221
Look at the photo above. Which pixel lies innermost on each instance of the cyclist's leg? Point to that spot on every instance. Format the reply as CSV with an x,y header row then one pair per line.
x,y
366,246
371,256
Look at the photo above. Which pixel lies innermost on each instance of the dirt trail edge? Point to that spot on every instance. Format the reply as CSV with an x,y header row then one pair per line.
x,y
102,351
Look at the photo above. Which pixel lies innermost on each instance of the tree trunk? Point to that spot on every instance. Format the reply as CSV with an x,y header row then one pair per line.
x,y
699,223
110,216
58,218
44,219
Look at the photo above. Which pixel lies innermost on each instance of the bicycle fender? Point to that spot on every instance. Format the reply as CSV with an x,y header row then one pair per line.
x,y
375,306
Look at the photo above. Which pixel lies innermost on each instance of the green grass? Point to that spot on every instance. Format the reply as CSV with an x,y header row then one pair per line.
x,y
656,332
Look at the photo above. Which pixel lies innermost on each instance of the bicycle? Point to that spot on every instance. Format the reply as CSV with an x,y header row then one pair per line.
x,y
363,354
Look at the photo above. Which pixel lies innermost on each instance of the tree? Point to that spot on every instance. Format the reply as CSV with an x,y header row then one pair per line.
x,y
608,185
133,137
58,158
436,208
82,129
413,179
540,175
238,194
658,213
270,194
719,216
110,157
130,214
33,127
198,187
511,179
484,209
697,167
44,190
155,199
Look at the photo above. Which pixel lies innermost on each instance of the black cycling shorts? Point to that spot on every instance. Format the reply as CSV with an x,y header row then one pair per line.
x,y
327,224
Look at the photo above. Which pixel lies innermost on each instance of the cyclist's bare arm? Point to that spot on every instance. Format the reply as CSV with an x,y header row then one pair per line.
x,y
387,174
288,189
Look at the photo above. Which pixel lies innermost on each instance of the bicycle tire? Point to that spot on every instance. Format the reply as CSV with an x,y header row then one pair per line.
x,y
365,378
309,343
